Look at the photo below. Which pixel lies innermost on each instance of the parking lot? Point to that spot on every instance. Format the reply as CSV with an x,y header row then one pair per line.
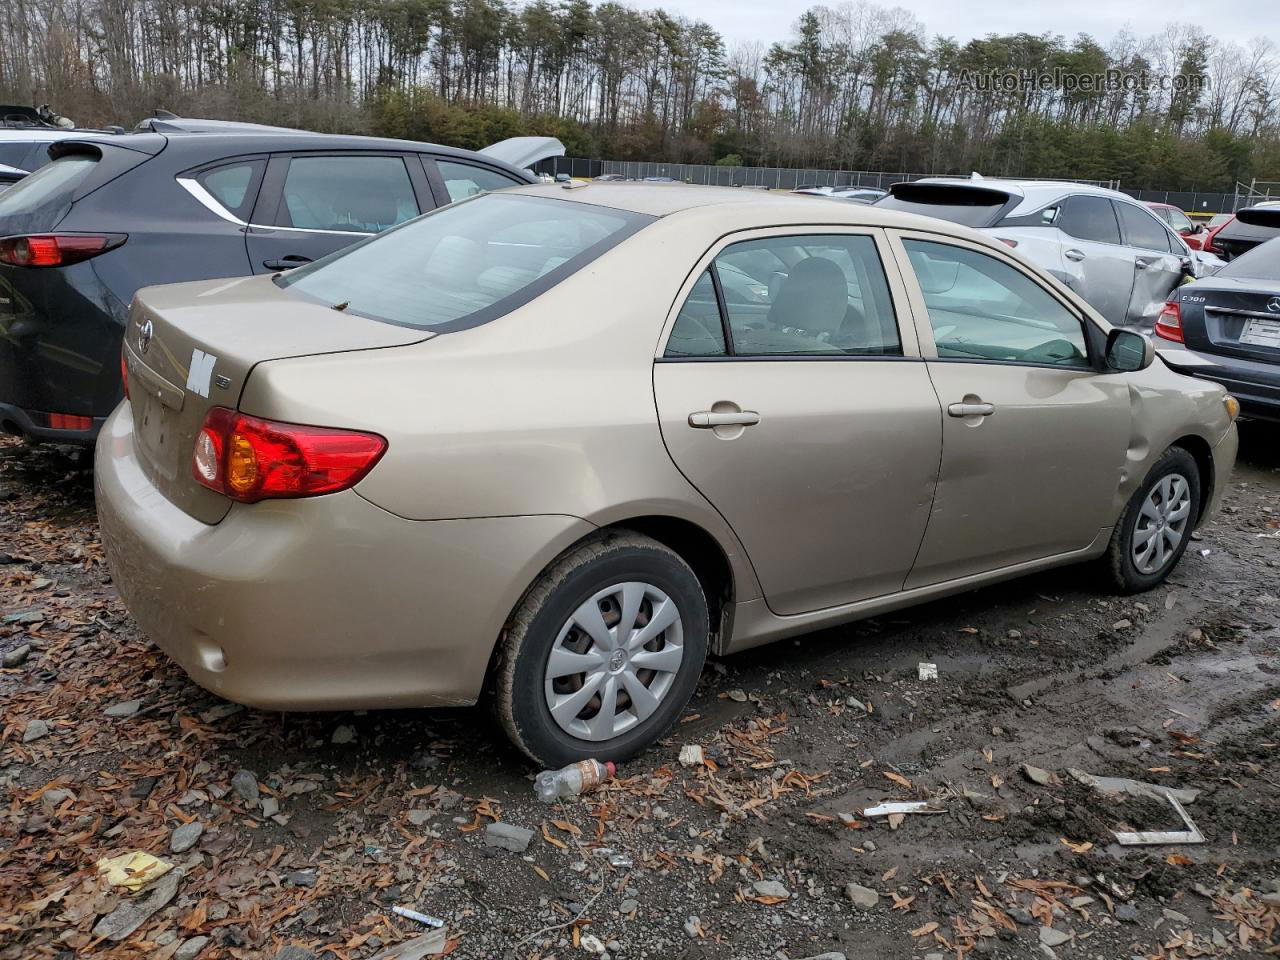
x,y
748,854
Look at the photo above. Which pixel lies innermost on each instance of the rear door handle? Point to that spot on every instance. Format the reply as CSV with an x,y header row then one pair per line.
x,y
1073,254
971,409
286,263
708,419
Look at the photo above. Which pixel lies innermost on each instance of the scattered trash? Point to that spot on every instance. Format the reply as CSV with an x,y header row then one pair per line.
x,y
132,870
1159,837
900,807
422,918
691,755
1136,787
927,671
553,785
1205,552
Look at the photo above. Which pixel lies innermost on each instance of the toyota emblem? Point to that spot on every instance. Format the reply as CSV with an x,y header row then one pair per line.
x,y
1274,304
144,336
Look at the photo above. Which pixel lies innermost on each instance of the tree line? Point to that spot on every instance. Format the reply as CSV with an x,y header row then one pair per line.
x,y
856,86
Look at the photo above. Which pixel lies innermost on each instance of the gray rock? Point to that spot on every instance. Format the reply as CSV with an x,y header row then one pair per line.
x,y
771,888
629,906
344,734
833,955
864,898
121,922
17,656
508,837
301,878
36,730
52,799
294,953
1127,912
1053,937
427,945
1022,916
1037,775
190,949
270,806
692,926
184,837
869,846
125,709
245,784
419,817
934,956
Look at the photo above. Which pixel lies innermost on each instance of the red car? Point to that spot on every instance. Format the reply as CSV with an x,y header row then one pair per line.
x,y
1193,234
1212,230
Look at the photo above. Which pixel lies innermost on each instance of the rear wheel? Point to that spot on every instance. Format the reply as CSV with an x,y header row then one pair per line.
x,y
603,653
1156,525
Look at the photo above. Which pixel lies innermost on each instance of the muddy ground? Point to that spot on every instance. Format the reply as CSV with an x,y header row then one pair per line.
x,y
747,855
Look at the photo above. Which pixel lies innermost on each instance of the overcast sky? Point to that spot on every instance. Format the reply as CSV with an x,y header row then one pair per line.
x,y
770,20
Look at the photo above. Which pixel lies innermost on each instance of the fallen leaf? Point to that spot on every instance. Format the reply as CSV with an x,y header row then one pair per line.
x,y
1178,860
897,778
927,929
1076,847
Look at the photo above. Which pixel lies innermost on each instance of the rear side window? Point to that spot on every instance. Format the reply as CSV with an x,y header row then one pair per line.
x,y
1090,218
1260,263
698,331
42,199
347,194
14,154
234,185
1141,229
464,180
466,263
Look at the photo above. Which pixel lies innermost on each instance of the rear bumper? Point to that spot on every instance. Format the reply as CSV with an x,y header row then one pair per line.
x,y
323,603
1255,384
35,426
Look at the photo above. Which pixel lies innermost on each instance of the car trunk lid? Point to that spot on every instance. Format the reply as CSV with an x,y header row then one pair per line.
x,y
190,347
1237,318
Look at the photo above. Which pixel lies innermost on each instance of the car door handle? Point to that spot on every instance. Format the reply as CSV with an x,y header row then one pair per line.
x,y
1073,254
971,409
286,263
709,419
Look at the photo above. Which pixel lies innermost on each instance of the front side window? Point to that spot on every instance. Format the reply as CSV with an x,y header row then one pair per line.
x,y
464,180
234,185
1143,230
981,308
803,296
466,263
1090,218
1180,221
347,194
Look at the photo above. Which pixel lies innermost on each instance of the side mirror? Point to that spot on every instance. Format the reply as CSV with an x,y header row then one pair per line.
x,y
1128,352
1186,231
1198,227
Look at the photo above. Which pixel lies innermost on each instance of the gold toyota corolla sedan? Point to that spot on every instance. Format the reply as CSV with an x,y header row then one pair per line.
x,y
554,446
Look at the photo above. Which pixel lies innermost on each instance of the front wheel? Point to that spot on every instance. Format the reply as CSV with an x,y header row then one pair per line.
x,y
603,652
1153,531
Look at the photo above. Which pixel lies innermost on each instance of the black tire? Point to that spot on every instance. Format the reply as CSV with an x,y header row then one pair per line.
x,y
1119,562
520,698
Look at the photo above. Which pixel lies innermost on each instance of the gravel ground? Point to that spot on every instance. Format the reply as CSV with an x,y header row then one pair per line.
x,y
311,827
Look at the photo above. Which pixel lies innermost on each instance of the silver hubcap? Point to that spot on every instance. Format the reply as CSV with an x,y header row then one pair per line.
x,y
614,661
1162,523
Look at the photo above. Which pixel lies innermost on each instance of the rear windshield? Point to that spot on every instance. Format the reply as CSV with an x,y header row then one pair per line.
x,y
1260,263
42,199
466,263
966,206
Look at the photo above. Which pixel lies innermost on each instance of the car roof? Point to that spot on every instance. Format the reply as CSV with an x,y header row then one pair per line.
x,y
738,207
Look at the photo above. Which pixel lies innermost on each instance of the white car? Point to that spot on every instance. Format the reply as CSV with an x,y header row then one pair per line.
x,y
1101,243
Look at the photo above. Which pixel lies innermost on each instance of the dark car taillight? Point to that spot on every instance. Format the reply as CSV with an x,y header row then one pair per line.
x,y
56,249
250,459
1169,323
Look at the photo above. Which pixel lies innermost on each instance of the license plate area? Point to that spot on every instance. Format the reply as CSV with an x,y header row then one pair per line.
x,y
155,429
1261,333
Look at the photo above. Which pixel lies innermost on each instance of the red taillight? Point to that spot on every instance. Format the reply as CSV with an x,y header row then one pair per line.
x,y
1169,323
124,371
249,459
56,250
68,421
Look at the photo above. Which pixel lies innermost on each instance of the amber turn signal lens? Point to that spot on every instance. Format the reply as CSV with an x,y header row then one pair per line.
x,y
242,464
1232,405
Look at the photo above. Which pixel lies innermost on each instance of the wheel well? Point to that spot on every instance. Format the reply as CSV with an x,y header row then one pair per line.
x,y
1202,453
703,553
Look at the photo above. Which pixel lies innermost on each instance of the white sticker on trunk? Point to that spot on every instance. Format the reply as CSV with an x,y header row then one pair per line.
x,y
201,372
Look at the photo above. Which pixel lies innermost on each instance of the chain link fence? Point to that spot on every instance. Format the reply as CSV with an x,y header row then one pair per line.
x,y
789,178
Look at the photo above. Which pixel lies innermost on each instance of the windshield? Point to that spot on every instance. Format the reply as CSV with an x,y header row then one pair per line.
x,y
466,263
1260,263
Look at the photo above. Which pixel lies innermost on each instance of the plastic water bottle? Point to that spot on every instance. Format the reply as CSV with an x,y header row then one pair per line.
x,y
553,785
